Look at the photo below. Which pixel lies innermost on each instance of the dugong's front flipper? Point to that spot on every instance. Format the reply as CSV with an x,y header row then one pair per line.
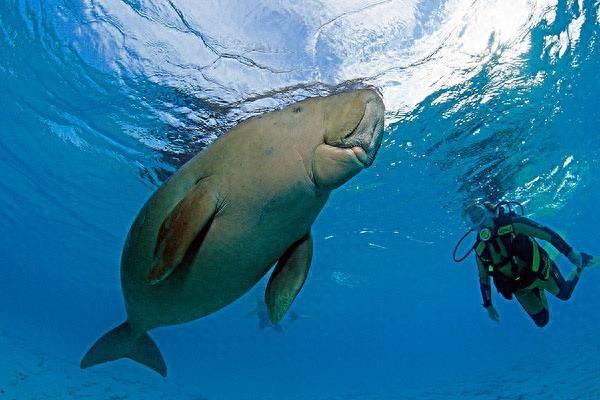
x,y
288,277
179,230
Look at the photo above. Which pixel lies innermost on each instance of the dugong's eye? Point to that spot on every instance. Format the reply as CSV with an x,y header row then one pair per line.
x,y
297,109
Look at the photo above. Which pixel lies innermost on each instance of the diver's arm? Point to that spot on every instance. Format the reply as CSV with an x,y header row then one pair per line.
x,y
486,291
528,227
484,284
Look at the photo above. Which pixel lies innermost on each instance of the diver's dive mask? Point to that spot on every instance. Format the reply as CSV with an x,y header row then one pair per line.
x,y
476,215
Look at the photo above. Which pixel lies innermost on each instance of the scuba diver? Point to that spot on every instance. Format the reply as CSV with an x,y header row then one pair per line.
x,y
506,250
259,310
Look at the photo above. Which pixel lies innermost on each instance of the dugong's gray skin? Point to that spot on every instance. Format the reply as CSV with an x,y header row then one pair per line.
x,y
246,202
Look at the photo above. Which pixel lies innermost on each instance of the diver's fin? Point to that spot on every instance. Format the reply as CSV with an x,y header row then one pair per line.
x,y
294,316
288,277
122,343
179,230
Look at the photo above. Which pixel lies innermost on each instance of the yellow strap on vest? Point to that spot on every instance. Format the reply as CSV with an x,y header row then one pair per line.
x,y
505,230
480,248
535,264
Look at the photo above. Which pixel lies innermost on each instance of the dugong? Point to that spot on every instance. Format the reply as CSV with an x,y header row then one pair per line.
x,y
244,203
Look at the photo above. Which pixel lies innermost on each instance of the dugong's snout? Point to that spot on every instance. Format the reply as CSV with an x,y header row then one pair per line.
x,y
362,126
369,132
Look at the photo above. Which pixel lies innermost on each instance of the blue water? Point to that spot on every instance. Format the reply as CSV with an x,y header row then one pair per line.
x,y
101,100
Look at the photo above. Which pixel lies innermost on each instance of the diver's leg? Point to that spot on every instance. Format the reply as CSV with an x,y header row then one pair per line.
x,y
557,285
534,302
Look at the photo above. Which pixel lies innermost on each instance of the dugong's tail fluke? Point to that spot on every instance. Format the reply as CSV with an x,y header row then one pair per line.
x,y
123,342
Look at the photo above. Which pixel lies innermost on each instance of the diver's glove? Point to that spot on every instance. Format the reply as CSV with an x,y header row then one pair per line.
x,y
587,260
492,313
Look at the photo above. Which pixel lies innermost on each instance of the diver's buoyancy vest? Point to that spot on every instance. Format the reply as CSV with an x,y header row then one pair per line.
x,y
501,253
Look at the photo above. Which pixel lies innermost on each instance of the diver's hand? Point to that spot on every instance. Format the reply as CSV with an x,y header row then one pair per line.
x,y
587,260
493,314
581,260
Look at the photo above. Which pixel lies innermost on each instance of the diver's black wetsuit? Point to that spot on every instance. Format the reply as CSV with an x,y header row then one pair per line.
x,y
520,266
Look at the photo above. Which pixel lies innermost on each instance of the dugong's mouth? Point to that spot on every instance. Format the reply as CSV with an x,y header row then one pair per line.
x,y
361,155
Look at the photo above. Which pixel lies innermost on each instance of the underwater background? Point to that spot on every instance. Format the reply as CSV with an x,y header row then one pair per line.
x,y
102,100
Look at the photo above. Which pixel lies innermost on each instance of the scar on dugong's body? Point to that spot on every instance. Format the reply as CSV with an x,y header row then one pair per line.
x,y
246,202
